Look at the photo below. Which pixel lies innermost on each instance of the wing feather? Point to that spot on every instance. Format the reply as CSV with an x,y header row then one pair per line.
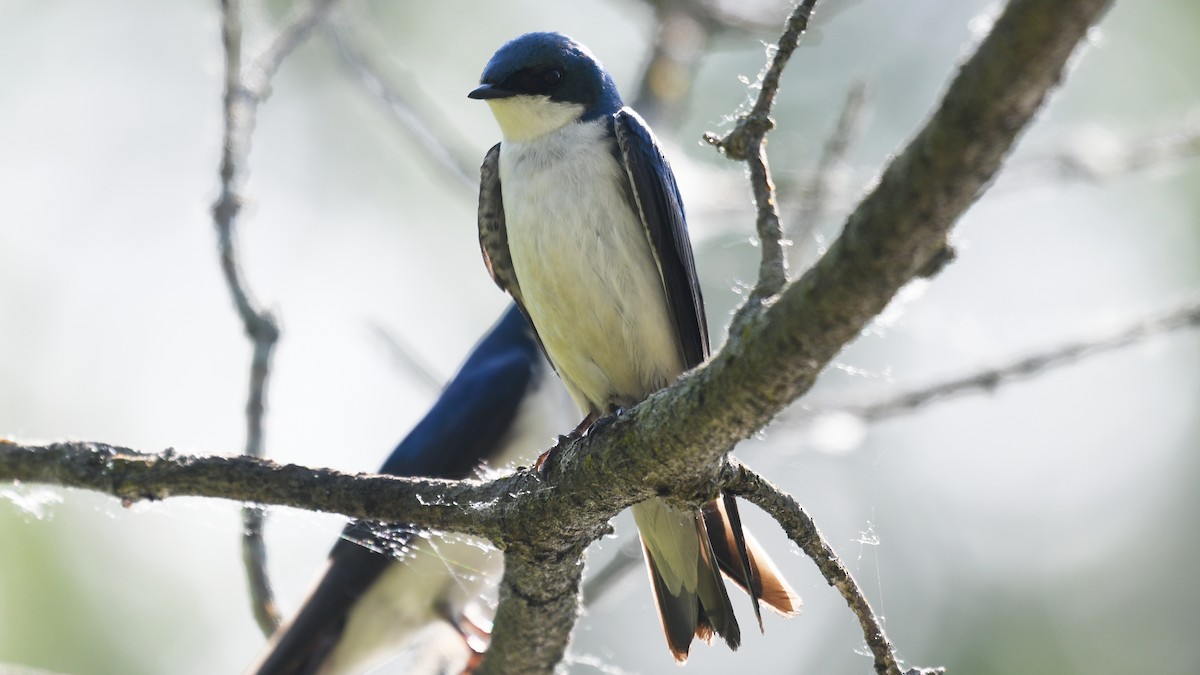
x,y
493,237
657,197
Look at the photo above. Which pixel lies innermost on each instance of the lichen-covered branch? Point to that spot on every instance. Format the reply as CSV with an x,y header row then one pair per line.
x,y
132,476
539,603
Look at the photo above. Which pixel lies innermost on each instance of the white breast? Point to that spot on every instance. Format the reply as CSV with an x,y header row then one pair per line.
x,y
437,580
586,269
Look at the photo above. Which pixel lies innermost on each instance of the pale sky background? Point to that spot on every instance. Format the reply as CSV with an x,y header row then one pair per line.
x,y
1049,527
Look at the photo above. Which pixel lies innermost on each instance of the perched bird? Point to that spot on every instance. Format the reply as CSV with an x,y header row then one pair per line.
x,y
580,220
377,591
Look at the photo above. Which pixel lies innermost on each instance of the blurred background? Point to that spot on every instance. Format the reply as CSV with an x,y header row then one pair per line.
x,y
1048,526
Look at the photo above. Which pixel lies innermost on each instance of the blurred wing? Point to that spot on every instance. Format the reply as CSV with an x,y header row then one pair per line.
x,y
468,423
657,197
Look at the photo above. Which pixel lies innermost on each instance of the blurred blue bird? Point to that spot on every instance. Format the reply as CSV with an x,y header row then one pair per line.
x,y
379,590
580,220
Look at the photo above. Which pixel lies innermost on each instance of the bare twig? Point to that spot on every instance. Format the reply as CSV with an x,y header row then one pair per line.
x,y
626,559
244,90
683,32
297,27
1030,365
815,194
1100,156
743,482
746,143
406,359
411,109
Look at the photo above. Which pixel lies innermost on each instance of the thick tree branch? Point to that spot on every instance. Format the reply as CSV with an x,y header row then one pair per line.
x,y
539,603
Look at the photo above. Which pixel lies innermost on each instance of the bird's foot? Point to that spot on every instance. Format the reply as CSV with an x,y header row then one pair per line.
x,y
601,422
473,662
544,461
477,636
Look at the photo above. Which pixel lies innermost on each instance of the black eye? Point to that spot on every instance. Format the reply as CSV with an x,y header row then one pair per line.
x,y
552,78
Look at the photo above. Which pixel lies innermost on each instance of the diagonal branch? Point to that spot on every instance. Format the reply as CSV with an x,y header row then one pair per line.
x,y
1113,156
1030,365
781,506
410,108
816,193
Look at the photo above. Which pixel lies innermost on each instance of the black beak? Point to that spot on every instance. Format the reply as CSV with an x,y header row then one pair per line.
x,y
486,91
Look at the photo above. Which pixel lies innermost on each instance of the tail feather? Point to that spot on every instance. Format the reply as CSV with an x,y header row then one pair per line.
x,y
714,599
678,613
688,587
744,561
686,554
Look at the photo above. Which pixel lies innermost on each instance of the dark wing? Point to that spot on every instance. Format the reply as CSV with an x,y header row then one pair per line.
x,y
468,423
493,236
470,419
308,639
657,196
493,231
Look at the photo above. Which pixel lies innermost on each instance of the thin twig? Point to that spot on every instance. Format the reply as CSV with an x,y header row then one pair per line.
x,y
1024,367
295,30
411,109
603,580
243,92
684,30
747,143
741,481
1107,158
406,360
815,194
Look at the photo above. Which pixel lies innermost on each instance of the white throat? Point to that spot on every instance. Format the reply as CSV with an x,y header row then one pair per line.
x,y
524,118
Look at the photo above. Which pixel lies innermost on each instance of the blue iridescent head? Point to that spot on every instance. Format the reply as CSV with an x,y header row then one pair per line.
x,y
539,68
